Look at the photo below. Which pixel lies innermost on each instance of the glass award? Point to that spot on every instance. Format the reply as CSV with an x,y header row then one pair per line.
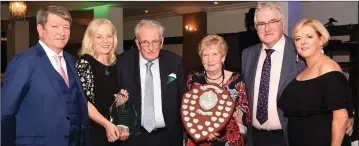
x,y
124,117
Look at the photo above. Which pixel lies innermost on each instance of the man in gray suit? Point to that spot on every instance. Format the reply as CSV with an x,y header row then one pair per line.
x,y
267,68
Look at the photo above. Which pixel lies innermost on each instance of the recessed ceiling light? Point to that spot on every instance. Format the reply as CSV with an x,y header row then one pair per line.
x,y
146,11
216,3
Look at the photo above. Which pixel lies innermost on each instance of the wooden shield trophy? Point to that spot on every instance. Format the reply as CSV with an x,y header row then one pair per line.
x,y
205,110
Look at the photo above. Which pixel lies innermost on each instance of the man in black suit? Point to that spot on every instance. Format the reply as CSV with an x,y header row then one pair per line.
x,y
154,79
269,126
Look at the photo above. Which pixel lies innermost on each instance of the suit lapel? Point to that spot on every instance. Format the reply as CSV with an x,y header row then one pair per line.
x,y
51,72
252,71
71,72
71,69
288,66
137,81
163,75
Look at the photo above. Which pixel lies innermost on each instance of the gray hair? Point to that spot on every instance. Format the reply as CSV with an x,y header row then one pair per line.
x,y
149,22
270,5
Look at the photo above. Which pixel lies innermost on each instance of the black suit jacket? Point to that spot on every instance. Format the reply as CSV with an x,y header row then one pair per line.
x,y
128,71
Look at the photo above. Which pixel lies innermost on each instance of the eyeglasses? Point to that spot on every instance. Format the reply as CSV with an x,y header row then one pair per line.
x,y
270,23
154,43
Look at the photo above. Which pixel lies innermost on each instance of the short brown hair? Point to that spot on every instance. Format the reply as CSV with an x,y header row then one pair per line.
x,y
213,39
316,25
41,16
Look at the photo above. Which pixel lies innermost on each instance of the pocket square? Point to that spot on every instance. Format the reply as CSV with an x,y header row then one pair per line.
x,y
171,78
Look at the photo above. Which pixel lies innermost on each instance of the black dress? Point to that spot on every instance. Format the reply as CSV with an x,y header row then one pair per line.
x,y
308,105
100,84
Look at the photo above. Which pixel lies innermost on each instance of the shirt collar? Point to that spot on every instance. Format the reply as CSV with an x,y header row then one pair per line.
x,y
279,46
48,51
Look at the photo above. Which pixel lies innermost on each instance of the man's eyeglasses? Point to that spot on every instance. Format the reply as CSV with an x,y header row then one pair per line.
x,y
270,23
154,43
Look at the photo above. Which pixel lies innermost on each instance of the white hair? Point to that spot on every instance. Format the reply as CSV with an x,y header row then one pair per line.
x,y
270,5
149,22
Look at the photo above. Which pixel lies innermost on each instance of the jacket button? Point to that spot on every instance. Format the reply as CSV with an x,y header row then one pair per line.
x,y
68,118
66,136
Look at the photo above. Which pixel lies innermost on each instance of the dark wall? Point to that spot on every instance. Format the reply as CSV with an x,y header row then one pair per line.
x,y
191,39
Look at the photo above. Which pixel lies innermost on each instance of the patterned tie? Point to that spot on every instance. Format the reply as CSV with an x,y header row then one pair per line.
x,y
149,108
262,104
60,69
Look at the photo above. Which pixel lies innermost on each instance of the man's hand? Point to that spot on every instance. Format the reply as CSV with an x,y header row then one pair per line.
x,y
121,97
349,128
124,133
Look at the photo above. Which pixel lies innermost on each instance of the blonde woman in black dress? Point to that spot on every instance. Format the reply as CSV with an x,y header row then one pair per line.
x,y
96,68
316,102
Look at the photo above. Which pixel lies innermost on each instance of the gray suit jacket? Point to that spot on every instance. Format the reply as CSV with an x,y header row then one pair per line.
x,y
290,69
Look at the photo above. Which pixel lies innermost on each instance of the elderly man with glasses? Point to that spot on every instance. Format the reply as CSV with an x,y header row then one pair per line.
x,y
154,79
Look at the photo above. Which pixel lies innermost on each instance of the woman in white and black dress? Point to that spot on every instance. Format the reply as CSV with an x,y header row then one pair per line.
x,y
96,68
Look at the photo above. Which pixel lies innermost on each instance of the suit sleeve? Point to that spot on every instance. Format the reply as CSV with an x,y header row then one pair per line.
x,y
182,89
13,91
181,79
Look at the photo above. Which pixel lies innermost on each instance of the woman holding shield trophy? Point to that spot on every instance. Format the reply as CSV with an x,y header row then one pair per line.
x,y
213,50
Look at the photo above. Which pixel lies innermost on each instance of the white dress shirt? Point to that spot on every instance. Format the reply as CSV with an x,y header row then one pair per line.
x,y
273,122
155,69
50,53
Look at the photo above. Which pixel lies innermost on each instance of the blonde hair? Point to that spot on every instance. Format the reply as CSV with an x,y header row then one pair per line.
x,y
213,39
41,16
316,25
270,5
87,41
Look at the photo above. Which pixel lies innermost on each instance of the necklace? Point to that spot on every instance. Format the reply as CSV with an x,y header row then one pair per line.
x,y
211,78
222,75
106,71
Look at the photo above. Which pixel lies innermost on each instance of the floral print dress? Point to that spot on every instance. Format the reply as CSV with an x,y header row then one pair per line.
x,y
234,134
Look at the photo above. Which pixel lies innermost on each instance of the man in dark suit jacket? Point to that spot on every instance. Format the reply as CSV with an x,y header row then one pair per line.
x,y
42,100
285,65
154,79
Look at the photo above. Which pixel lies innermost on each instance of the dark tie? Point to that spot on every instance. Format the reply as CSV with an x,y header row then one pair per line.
x,y
262,104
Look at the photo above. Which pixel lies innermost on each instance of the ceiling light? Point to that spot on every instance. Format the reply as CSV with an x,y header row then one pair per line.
x,y
17,10
216,3
146,11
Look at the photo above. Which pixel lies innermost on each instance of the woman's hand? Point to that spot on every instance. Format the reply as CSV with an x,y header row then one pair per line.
x,y
121,97
238,116
112,132
213,137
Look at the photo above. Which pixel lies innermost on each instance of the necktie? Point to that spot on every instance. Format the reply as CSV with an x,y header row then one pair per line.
x,y
60,69
149,108
262,104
